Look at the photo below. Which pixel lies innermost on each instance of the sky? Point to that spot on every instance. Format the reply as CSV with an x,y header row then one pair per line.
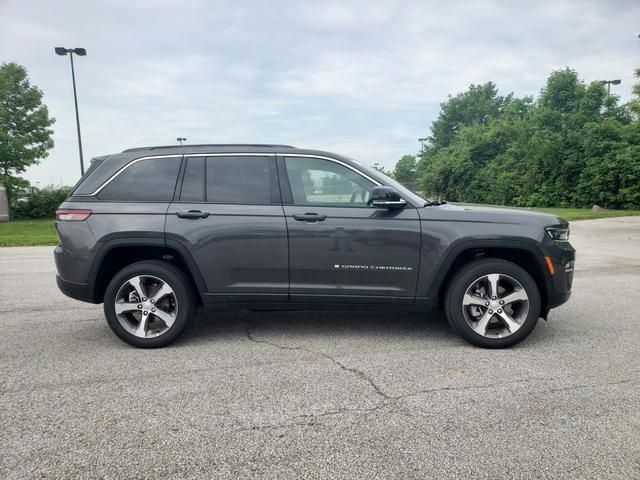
x,y
360,78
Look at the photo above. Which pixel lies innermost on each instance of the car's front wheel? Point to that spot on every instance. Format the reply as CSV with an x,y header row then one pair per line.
x,y
493,303
148,304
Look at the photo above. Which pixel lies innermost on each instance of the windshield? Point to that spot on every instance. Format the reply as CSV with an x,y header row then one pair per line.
x,y
401,189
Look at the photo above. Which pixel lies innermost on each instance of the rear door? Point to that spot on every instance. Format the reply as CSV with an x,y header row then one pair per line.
x,y
228,214
133,203
341,249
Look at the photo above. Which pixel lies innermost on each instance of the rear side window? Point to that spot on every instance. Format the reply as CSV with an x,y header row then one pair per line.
x,y
236,180
151,180
193,183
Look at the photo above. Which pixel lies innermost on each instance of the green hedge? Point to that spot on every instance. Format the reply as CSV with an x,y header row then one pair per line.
x,y
39,203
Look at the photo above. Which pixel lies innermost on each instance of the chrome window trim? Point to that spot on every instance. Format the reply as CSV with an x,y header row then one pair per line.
x,y
151,157
242,154
306,155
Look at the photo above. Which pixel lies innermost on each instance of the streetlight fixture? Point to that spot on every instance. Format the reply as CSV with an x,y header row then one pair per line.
x,y
82,52
181,139
422,140
608,83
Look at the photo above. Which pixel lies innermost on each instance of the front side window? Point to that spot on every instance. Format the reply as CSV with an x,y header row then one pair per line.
x,y
234,179
315,181
151,180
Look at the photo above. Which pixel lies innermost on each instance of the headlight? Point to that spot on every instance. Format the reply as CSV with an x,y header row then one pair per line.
x,y
559,234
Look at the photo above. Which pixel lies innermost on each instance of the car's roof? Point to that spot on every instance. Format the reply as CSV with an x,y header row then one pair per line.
x,y
273,148
209,147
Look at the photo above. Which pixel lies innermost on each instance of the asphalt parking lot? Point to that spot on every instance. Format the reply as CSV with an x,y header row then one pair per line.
x,y
325,395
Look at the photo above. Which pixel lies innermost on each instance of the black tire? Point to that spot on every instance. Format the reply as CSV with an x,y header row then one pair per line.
x,y
470,273
178,281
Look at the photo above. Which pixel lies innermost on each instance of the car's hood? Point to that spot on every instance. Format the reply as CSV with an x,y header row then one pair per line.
x,y
504,214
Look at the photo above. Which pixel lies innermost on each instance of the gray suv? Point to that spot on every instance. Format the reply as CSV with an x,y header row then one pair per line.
x,y
154,233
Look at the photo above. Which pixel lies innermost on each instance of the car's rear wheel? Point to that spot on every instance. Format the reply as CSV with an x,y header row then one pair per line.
x,y
148,304
493,303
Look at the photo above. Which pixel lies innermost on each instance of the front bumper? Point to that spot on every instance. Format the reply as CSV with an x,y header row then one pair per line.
x,y
563,257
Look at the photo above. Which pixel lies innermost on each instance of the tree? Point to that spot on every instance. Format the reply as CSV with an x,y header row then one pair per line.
x,y
405,169
634,105
381,169
571,146
478,105
25,136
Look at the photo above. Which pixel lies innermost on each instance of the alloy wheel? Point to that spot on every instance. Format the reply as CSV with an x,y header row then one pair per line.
x,y
495,305
146,306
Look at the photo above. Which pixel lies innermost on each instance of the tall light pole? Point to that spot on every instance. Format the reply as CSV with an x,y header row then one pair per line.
x,y
181,139
82,52
422,140
608,83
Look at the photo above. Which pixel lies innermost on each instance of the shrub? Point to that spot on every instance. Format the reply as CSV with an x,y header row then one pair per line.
x,y
39,203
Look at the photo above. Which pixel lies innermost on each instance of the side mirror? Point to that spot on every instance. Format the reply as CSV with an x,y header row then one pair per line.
x,y
386,197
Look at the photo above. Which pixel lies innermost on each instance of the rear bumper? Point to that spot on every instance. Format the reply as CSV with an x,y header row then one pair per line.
x,y
70,278
78,291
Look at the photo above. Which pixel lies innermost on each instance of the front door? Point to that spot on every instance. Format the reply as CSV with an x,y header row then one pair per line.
x,y
228,214
341,249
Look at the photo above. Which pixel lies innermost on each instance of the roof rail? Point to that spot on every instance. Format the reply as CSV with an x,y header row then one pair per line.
x,y
259,145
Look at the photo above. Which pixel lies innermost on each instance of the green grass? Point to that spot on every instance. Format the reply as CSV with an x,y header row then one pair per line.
x,y
22,233
586,213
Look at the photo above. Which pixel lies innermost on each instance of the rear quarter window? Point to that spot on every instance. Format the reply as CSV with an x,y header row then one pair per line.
x,y
151,180
94,164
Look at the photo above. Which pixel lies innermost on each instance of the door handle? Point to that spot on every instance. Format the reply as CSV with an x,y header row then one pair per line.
x,y
310,217
193,214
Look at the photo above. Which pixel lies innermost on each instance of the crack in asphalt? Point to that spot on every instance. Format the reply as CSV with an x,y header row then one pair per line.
x,y
589,385
275,426
387,400
359,373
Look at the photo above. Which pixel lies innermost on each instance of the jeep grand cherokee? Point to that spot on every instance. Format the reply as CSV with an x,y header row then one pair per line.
x,y
154,233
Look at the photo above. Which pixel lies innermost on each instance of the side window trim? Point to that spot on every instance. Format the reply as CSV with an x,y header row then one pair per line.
x,y
178,188
287,193
276,195
283,181
204,180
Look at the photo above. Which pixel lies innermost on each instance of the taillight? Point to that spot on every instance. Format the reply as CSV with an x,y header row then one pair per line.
x,y
72,215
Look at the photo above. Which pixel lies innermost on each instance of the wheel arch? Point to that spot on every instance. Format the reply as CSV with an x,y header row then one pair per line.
x,y
527,254
116,254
